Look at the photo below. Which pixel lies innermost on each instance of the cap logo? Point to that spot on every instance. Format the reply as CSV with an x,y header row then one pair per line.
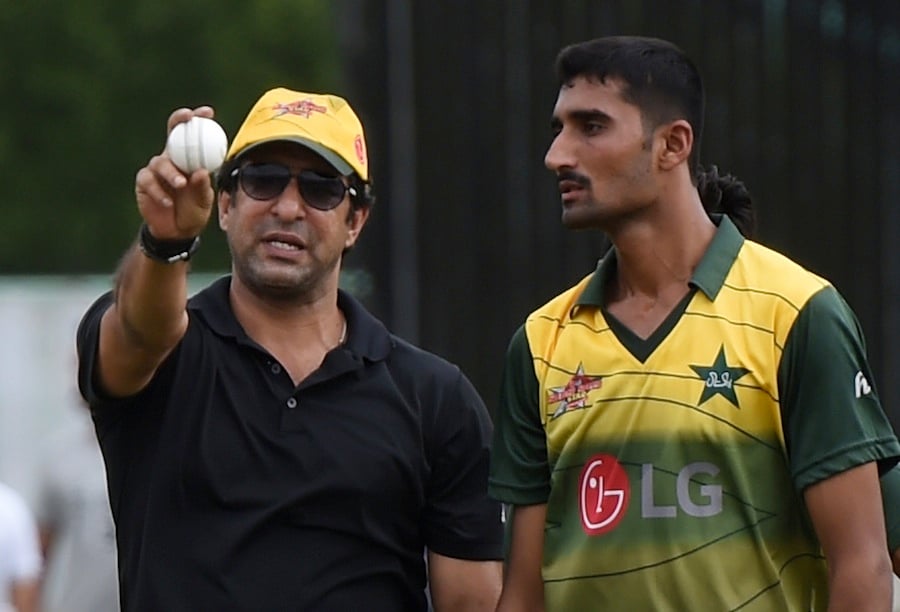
x,y
302,108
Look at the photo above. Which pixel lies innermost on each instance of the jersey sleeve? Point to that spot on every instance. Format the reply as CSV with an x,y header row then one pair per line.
x,y
460,520
832,416
520,473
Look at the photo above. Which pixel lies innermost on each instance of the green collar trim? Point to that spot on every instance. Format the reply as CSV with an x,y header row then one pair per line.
x,y
719,257
709,276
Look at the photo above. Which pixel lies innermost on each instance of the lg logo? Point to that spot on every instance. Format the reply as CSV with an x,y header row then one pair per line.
x,y
711,495
605,492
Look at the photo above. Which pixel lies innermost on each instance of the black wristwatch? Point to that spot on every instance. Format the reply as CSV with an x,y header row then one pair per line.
x,y
166,251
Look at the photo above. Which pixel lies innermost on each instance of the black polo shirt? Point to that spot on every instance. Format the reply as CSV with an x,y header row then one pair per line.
x,y
233,489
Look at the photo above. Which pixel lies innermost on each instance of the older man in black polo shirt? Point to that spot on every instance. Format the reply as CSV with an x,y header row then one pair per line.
x,y
269,444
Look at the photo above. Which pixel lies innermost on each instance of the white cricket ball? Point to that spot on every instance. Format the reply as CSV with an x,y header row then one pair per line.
x,y
197,143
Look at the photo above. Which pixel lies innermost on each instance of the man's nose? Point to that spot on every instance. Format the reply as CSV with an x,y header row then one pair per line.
x,y
559,154
290,204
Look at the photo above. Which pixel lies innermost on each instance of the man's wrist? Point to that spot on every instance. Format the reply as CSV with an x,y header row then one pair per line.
x,y
166,251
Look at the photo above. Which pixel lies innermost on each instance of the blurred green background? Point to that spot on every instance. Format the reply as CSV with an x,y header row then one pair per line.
x,y
87,87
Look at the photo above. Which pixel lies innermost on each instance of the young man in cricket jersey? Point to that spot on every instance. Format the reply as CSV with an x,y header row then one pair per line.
x,y
693,426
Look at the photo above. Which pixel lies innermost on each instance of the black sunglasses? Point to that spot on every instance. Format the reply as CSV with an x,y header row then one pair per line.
x,y
266,181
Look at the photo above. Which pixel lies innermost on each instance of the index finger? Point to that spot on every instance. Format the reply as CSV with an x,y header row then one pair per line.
x,y
180,115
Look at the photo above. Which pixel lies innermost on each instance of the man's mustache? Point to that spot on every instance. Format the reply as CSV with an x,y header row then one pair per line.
x,y
571,175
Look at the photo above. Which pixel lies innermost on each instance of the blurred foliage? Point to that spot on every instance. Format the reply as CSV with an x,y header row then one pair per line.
x,y
87,90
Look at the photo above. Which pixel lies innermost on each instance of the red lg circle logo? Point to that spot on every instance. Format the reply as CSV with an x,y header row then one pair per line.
x,y
603,494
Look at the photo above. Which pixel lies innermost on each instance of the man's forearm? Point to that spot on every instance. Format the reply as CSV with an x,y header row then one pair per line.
x,y
145,323
151,299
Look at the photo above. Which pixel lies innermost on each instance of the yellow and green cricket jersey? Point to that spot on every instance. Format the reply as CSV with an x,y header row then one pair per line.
x,y
672,467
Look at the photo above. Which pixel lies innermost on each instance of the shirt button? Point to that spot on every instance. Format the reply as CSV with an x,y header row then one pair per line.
x,y
276,368
292,403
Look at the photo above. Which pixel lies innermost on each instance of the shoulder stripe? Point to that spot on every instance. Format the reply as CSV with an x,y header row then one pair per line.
x,y
774,294
562,326
765,330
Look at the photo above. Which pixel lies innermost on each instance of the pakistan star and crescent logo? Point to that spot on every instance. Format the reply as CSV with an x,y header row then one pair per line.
x,y
575,392
719,378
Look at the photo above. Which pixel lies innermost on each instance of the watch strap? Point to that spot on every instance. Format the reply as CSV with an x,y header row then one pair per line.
x,y
166,251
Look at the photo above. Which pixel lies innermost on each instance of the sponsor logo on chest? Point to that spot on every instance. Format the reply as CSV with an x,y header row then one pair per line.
x,y
605,492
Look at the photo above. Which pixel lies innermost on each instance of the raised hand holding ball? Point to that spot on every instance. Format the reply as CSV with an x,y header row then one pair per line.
x,y
197,143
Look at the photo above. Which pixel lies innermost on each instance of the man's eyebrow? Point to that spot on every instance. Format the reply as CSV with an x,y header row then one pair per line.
x,y
591,114
581,116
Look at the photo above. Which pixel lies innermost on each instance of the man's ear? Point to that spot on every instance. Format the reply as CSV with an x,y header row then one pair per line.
x,y
223,205
356,219
677,143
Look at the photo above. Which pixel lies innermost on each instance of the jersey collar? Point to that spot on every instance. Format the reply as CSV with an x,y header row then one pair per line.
x,y
709,276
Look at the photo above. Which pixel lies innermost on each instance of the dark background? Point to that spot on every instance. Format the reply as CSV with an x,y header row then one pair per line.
x,y
803,105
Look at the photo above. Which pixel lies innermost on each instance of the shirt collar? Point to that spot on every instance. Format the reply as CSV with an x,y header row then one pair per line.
x,y
708,277
367,337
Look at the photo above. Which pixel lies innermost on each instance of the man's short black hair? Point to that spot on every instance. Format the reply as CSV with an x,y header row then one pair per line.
x,y
657,77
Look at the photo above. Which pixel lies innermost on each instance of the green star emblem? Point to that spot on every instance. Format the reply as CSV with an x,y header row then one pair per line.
x,y
719,378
